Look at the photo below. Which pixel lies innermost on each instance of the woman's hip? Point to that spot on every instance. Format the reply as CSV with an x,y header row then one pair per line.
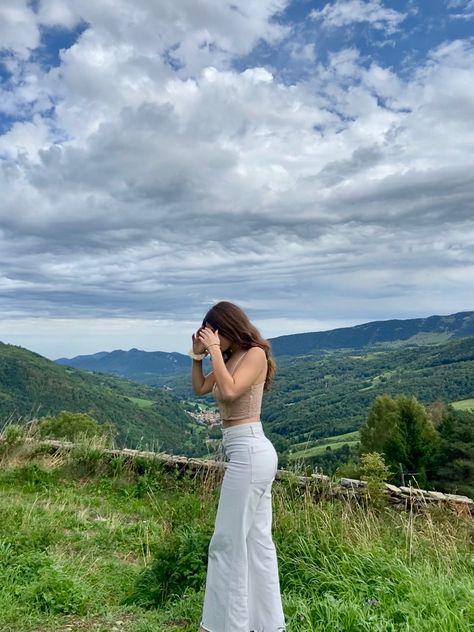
x,y
252,457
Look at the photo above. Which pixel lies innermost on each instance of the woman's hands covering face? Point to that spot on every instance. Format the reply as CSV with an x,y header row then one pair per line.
x,y
208,337
198,344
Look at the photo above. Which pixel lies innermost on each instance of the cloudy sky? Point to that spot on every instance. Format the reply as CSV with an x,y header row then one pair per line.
x,y
311,161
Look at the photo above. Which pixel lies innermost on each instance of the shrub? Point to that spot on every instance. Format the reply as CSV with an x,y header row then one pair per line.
x,y
180,564
86,460
12,437
375,472
56,593
73,426
348,470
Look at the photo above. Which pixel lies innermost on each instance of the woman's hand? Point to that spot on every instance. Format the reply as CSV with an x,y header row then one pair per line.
x,y
198,345
209,337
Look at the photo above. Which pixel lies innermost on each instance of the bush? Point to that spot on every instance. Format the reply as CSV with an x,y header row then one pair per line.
x,y
73,426
32,476
56,593
180,564
349,470
85,460
12,437
375,472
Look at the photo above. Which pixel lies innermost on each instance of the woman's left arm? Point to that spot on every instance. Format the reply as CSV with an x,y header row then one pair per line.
x,y
233,386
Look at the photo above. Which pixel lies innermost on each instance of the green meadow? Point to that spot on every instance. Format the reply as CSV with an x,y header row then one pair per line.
x,y
318,446
464,404
97,543
142,403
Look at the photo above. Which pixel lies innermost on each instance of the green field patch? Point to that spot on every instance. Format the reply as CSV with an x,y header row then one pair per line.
x,y
376,380
142,403
464,404
318,449
367,356
420,339
311,448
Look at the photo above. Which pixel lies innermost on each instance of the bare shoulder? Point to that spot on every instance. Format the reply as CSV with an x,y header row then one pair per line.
x,y
256,351
258,355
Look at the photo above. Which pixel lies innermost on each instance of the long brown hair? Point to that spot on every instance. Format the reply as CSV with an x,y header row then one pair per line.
x,y
233,323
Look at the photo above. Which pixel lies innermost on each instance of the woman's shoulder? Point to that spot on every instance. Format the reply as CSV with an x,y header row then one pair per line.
x,y
257,355
256,351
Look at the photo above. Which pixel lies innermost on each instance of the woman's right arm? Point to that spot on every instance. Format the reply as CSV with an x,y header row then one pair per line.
x,y
201,384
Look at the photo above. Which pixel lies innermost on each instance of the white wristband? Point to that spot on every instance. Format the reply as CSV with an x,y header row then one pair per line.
x,y
197,356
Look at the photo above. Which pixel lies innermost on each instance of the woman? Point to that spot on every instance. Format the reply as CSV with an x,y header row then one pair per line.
x,y
242,584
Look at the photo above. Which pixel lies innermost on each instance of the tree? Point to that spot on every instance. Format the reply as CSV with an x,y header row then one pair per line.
x,y
400,429
381,432
420,437
453,464
436,411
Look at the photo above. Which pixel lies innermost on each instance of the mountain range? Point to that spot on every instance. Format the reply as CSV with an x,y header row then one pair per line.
x,y
154,367
322,388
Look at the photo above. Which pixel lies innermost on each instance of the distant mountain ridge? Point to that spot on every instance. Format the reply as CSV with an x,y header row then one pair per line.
x,y
457,325
134,364
153,367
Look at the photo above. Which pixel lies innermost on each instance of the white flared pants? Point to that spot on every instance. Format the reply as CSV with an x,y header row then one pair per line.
x,y
242,584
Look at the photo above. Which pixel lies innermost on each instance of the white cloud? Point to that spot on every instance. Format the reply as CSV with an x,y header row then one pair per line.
x,y
153,188
346,12
19,30
466,6
57,13
26,138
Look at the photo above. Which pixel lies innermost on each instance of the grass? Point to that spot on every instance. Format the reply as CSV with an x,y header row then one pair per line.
x,y
422,338
142,403
99,546
464,404
318,446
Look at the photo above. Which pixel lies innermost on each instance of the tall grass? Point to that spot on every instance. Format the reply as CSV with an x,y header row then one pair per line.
x,y
100,543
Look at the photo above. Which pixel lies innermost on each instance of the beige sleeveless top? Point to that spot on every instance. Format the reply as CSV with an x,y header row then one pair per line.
x,y
249,404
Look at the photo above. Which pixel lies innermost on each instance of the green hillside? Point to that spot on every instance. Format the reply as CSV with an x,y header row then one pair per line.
x,y
316,396
464,404
31,385
313,448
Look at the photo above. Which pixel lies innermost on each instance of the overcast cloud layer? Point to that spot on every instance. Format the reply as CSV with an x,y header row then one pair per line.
x,y
311,161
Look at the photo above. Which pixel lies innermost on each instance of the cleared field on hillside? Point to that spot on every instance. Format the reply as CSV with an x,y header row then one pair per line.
x,y
142,403
464,404
311,448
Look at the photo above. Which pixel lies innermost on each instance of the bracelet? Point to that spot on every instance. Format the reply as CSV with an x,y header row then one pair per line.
x,y
213,345
197,356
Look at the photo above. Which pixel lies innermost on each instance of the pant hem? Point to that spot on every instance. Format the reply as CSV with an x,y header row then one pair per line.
x,y
281,628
